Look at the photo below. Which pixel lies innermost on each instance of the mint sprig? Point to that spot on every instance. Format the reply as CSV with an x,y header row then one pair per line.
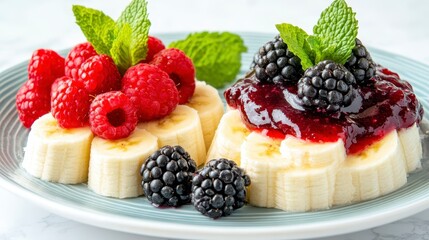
x,y
124,40
216,55
97,27
333,36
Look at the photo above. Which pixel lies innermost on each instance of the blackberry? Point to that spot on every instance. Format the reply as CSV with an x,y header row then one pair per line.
x,y
167,176
360,63
219,188
327,87
274,63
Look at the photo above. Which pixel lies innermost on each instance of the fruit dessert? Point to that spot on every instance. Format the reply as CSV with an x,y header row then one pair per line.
x,y
98,113
317,123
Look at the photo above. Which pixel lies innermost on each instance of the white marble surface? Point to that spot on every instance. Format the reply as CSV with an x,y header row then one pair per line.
x,y
395,26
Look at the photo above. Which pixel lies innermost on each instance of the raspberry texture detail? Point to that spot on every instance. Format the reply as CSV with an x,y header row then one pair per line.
x,y
99,74
45,66
69,103
180,69
154,45
112,115
151,90
78,55
32,101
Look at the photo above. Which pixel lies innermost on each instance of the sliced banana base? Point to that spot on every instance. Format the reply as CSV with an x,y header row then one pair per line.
x,y
56,154
67,155
295,175
114,169
208,104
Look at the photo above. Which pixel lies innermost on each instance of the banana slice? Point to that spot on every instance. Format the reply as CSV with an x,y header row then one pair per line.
x,y
378,170
182,127
56,154
306,153
263,162
115,164
229,136
280,181
412,147
210,109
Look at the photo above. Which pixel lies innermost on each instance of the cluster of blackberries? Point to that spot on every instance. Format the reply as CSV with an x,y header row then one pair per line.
x,y
170,178
326,87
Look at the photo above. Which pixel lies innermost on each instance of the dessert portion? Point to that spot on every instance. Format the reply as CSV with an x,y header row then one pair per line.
x,y
317,123
98,113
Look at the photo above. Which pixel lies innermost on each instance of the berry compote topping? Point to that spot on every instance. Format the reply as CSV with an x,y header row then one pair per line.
x,y
381,105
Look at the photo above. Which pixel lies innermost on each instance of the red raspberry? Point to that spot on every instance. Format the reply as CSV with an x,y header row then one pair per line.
x,y
45,66
77,55
151,90
112,115
180,68
32,101
70,103
99,74
154,46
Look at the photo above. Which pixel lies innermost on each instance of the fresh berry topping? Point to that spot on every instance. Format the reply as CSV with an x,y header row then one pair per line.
x,y
275,63
151,90
33,100
77,55
167,175
154,45
99,74
45,66
70,103
360,63
112,115
219,188
328,86
180,68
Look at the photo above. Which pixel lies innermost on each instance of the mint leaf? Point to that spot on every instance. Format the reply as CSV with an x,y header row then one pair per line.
x,y
120,51
337,27
135,14
295,38
312,47
97,27
216,55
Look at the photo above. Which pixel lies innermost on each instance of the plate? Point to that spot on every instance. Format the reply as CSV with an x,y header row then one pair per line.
x,y
138,216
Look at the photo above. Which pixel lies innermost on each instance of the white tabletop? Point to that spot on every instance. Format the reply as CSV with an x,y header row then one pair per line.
x,y
395,26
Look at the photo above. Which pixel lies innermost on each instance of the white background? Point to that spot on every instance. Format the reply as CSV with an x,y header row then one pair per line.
x,y
400,27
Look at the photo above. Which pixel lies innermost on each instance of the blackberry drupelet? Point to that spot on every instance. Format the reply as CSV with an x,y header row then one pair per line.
x,y
219,188
274,63
327,86
167,176
360,63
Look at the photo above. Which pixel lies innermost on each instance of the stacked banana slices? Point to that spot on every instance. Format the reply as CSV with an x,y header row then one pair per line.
x,y
111,168
296,175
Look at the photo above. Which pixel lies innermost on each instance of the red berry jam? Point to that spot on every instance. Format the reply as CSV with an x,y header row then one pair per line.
x,y
383,104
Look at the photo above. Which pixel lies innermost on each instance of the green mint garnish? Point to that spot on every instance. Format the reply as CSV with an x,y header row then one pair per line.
x,y
295,38
137,17
338,27
124,40
216,55
97,27
334,36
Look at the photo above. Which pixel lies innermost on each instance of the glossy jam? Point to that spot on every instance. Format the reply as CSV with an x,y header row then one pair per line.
x,y
385,103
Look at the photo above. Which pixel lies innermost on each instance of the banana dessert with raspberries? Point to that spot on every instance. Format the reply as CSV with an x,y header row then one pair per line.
x,y
98,113
317,123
